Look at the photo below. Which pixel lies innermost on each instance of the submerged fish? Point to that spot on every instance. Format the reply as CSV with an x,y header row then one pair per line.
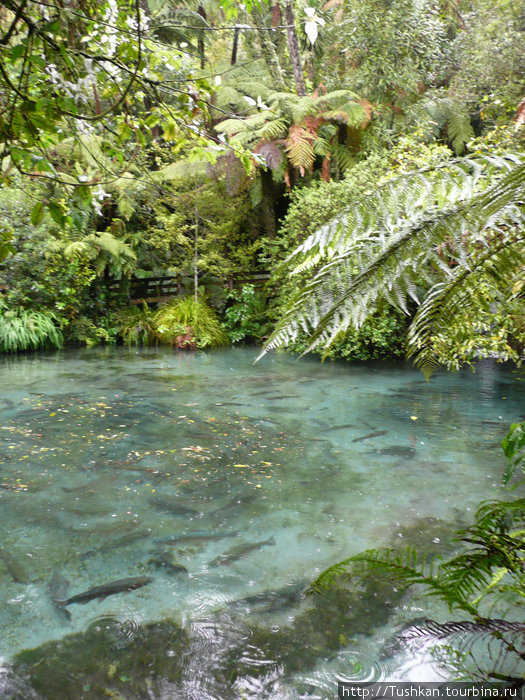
x,y
272,601
230,403
163,560
370,435
91,486
195,536
236,502
396,451
14,567
346,426
171,505
101,592
57,590
117,543
280,397
86,507
240,551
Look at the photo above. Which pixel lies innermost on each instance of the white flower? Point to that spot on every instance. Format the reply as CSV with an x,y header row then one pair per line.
x,y
311,26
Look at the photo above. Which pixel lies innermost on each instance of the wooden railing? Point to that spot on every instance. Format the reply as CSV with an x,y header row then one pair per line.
x,y
153,290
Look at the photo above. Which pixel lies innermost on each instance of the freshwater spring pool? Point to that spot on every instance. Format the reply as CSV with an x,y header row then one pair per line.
x,y
231,486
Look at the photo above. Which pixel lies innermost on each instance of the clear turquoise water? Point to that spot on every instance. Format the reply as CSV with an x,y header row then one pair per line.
x,y
106,453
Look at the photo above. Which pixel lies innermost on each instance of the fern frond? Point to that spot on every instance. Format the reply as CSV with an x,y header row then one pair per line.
x,y
254,89
351,113
382,247
232,127
273,129
230,99
344,158
22,330
299,148
336,98
305,107
459,129
405,569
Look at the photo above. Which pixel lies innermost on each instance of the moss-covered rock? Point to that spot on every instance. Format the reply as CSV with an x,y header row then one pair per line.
x,y
97,664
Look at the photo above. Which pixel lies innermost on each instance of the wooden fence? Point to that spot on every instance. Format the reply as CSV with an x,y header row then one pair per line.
x,y
157,289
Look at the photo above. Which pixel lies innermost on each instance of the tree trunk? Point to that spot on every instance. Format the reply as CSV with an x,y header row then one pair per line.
x,y
293,49
268,212
235,45
268,50
202,13
196,259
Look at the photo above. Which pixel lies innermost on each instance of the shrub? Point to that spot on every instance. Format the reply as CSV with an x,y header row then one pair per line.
x,y
21,330
189,323
137,325
86,331
246,316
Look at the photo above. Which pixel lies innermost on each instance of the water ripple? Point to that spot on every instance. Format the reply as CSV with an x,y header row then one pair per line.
x,y
119,632
343,667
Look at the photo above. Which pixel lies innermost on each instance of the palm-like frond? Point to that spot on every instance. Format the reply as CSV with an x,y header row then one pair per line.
x,y
102,249
382,248
440,115
299,147
495,547
488,648
406,569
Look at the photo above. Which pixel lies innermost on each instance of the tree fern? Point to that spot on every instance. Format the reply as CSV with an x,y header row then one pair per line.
x,y
384,247
439,115
103,250
306,125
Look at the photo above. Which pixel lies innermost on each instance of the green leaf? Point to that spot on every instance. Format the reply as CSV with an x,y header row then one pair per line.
x,y
170,131
56,212
37,214
17,51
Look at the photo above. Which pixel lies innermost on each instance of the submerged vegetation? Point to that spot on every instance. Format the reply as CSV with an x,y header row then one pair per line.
x,y
485,580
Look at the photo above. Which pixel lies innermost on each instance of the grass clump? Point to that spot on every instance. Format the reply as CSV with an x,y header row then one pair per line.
x,y
21,329
188,324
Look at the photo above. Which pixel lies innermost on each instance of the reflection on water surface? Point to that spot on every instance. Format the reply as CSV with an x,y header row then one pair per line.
x,y
230,486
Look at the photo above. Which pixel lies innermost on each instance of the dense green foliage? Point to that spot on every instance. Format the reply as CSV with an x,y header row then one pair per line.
x,y
188,323
142,139
366,156
244,316
452,234
28,330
